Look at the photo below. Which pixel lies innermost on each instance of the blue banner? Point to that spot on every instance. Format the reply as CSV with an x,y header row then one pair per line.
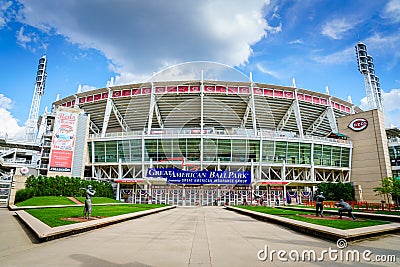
x,y
177,176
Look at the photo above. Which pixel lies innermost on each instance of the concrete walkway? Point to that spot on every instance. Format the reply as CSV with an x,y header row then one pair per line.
x,y
191,236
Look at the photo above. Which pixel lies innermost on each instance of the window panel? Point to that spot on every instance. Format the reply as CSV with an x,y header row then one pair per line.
x,y
317,154
268,151
280,152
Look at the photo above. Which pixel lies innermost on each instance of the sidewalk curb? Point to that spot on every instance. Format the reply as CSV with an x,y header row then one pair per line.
x,y
321,231
46,233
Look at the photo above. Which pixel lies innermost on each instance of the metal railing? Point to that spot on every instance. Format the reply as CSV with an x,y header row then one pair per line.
x,y
394,140
210,132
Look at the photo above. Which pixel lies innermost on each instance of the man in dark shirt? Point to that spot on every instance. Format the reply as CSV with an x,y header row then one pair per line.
x,y
345,207
319,204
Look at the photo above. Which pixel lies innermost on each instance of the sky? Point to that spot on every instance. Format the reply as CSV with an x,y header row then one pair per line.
x,y
94,43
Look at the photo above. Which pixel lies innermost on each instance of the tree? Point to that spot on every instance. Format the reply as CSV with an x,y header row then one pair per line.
x,y
396,190
390,187
336,191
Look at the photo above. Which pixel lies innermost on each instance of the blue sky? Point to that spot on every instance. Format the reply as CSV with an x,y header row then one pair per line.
x,y
91,42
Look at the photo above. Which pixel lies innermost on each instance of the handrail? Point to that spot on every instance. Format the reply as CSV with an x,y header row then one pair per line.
x,y
264,134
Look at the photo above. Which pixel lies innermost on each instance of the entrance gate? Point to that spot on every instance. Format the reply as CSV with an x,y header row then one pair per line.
x,y
210,196
189,196
202,196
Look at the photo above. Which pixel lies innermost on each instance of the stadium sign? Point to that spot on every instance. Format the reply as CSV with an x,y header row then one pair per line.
x,y
64,137
358,124
176,176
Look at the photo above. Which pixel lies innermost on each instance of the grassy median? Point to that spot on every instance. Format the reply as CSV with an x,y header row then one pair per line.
x,y
300,216
45,201
394,211
54,217
52,200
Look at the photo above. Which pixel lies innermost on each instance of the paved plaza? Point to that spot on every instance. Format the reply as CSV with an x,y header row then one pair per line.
x,y
185,236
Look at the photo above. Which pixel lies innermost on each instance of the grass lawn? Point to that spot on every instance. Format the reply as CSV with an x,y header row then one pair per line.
x,y
45,201
53,216
386,212
51,200
99,200
293,214
393,212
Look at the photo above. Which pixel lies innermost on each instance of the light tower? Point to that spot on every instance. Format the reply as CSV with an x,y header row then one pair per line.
x,y
31,124
371,81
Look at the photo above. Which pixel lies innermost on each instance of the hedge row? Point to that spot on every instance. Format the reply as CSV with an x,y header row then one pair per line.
x,y
61,186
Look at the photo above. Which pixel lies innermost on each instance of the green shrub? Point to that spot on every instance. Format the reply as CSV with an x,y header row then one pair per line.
x,y
23,194
66,186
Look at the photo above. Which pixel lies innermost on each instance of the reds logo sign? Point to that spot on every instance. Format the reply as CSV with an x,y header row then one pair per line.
x,y
358,124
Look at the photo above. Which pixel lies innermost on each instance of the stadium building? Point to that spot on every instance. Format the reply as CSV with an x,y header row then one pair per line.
x,y
202,141
209,136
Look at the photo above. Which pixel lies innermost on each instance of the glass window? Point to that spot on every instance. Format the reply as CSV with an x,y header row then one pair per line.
x,y
135,149
90,151
182,147
176,150
224,150
210,149
336,152
99,152
123,150
111,151
305,153
326,155
394,153
292,153
151,148
268,151
317,154
345,159
165,148
193,149
254,150
239,149
280,152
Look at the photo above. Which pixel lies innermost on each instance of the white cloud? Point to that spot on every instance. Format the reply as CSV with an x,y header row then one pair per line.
x,y
5,103
337,28
380,45
9,124
346,55
141,37
4,6
391,100
269,72
29,40
23,39
274,30
297,41
391,107
385,46
392,11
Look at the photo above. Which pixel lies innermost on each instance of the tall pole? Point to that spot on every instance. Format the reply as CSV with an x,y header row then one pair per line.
x,y
31,124
371,81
